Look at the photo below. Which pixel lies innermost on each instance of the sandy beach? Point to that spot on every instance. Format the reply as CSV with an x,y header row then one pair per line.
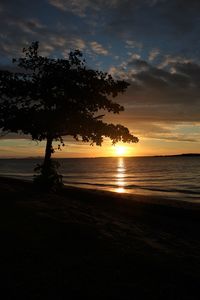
x,y
91,244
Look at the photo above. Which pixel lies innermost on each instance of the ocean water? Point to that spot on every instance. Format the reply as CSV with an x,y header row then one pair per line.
x,y
176,177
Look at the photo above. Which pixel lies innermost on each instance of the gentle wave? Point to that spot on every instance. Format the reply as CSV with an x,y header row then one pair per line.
x,y
175,176
133,186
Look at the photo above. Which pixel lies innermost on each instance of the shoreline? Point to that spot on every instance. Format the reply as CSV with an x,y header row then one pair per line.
x,y
99,245
145,198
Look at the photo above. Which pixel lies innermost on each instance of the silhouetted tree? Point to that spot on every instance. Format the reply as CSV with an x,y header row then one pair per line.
x,y
51,98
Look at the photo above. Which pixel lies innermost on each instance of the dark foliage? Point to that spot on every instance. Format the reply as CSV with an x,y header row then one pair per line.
x,y
48,177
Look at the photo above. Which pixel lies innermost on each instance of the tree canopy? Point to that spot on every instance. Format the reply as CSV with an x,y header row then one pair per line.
x,y
49,98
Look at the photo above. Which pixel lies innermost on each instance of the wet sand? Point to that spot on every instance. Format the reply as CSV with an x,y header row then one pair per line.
x,y
91,244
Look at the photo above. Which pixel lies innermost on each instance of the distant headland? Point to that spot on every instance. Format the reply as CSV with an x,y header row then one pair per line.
x,y
177,155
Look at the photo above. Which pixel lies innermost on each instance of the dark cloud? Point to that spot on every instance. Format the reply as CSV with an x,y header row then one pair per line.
x,y
183,15
171,25
162,95
163,79
192,70
139,64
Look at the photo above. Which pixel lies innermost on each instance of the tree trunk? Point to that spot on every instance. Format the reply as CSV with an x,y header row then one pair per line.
x,y
48,152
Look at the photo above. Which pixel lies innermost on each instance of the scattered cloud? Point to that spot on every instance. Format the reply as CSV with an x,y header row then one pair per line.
x,y
27,26
134,56
80,7
167,132
153,54
173,59
133,44
98,48
77,7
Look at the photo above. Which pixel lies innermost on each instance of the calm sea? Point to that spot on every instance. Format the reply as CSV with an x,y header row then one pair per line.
x,y
173,177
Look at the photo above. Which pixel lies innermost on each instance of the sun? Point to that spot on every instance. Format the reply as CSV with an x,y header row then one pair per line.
x,y
120,150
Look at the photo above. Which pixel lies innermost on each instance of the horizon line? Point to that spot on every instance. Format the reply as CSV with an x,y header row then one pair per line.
x,y
95,157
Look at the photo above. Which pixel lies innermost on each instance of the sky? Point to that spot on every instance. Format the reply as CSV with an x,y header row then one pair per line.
x,y
152,44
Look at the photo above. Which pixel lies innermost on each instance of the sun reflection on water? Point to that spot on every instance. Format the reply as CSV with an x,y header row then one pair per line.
x,y
121,170
120,190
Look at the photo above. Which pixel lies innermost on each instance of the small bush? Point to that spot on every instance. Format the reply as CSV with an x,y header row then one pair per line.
x,y
48,177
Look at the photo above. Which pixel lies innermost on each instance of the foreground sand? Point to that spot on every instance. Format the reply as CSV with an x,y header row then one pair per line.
x,y
96,245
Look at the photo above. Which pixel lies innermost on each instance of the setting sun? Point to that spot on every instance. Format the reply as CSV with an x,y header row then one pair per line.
x,y
120,150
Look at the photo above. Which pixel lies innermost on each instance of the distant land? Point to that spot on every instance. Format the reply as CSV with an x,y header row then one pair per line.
x,y
175,155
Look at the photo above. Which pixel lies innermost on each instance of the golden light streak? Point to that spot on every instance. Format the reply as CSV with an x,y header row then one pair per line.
x,y
121,170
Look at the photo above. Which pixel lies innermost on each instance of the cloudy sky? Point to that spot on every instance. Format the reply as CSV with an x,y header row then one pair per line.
x,y
153,44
